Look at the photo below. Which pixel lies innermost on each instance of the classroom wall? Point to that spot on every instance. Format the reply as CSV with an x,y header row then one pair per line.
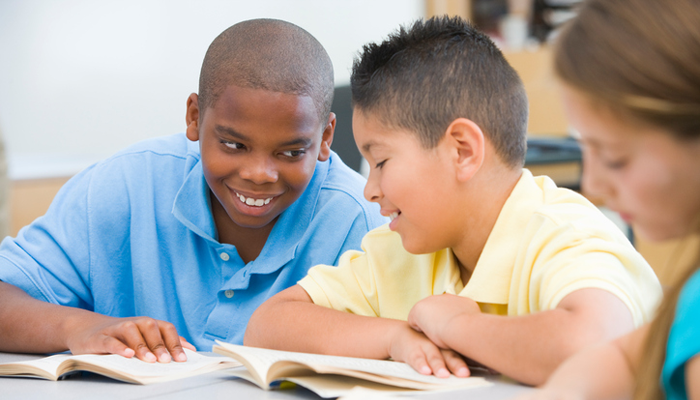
x,y
81,79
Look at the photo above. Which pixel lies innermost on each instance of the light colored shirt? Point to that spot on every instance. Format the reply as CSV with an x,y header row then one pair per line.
x,y
134,236
547,243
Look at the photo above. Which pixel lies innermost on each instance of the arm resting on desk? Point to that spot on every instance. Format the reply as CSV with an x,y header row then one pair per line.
x,y
291,321
527,348
33,326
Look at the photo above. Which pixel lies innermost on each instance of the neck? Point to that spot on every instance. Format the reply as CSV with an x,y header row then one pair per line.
x,y
481,216
249,242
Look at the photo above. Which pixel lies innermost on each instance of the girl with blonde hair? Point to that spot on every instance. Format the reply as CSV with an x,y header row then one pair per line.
x,y
630,74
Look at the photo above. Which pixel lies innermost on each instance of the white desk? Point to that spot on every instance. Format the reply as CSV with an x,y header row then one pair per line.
x,y
214,385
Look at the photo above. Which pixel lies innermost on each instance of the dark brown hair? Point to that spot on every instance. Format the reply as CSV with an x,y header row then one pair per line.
x,y
640,59
426,75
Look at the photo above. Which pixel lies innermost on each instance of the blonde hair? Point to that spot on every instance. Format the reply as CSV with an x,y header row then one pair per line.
x,y
641,59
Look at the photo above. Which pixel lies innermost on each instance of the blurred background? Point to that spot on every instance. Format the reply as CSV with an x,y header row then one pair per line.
x,y
81,79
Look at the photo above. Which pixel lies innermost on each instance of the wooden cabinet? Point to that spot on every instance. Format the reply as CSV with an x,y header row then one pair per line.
x,y
29,199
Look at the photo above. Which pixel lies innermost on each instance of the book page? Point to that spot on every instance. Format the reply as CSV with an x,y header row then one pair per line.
x,y
263,359
49,365
143,372
330,386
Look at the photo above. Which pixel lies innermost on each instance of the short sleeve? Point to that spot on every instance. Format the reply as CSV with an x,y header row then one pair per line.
x,y
576,259
49,258
349,287
684,339
383,279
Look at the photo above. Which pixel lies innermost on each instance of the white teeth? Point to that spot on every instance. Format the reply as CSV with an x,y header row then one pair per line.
x,y
253,202
393,215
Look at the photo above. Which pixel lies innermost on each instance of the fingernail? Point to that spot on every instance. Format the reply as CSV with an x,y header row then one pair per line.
x,y
425,370
180,357
464,372
164,358
443,373
150,356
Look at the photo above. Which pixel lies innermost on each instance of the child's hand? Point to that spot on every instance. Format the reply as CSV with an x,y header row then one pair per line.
x,y
424,356
433,314
148,339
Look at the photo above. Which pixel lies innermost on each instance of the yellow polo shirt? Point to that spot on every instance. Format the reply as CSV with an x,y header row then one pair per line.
x,y
547,243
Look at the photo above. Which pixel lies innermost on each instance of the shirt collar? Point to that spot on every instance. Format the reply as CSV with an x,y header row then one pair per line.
x,y
490,281
192,205
291,226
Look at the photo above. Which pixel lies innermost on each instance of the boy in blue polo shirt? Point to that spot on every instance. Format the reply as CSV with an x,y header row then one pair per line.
x,y
192,232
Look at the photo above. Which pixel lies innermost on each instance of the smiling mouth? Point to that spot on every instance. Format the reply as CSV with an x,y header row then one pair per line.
x,y
393,215
249,201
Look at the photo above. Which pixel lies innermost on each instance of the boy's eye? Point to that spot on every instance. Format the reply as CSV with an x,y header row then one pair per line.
x,y
618,164
233,145
293,153
380,164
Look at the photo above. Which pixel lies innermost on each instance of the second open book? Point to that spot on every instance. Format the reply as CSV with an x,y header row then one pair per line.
x,y
332,376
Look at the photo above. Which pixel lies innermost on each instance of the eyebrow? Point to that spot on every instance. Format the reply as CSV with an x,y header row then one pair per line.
x,y
368,145
304,142
231,132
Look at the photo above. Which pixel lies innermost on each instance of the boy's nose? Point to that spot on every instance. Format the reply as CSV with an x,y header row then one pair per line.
x,y
259,172
372,191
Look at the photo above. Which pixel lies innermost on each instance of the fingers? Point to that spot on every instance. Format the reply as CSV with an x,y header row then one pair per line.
x,y
427,359
151,340
115,346
455,363
130,333
437,363
172,341
187,344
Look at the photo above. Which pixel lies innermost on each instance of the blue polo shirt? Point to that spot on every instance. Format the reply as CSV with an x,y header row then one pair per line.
x,y
134,235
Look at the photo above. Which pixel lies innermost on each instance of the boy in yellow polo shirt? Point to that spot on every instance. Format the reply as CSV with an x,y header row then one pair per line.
x,y
481,260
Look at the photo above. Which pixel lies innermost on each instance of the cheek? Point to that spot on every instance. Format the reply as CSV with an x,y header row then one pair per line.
x,y
653,181
649,190
297,175
214,162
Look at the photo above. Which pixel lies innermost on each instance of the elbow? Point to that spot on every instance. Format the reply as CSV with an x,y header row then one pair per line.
x,y
568,346
270,324
258,325
538,375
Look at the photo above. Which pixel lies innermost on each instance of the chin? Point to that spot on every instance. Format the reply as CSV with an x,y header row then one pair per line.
x,y
416,246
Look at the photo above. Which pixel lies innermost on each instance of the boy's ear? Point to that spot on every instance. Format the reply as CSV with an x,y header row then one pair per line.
x,y
468,149
327,138
192,117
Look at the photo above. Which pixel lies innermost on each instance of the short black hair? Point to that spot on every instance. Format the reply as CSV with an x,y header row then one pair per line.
x,y
423,77
268,54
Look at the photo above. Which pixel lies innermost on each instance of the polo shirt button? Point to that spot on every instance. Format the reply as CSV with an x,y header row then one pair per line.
x,y
224,256
228,293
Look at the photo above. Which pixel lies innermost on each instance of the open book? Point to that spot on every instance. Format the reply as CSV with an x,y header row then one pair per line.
x,y
117,367
333,376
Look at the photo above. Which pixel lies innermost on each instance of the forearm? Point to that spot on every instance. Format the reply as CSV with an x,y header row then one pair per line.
x,y
295,323
30,325
527,348
598,372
